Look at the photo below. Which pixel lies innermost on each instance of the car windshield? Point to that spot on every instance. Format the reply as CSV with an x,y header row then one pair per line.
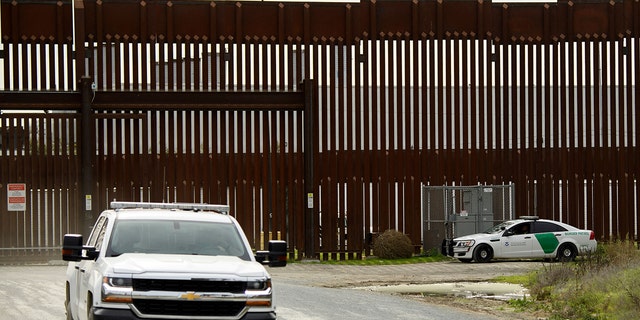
x,y
176,237
499,228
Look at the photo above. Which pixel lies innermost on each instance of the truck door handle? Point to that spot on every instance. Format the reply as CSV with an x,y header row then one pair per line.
x,y
77,268
82,270
527,237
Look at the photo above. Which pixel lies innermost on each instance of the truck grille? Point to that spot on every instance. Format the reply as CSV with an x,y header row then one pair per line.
x,y
189,308
189,285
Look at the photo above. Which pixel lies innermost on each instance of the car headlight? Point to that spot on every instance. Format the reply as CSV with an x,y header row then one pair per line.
x,y
116,289
465,243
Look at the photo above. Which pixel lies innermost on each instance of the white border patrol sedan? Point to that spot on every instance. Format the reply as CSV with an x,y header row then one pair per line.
x,y
527,237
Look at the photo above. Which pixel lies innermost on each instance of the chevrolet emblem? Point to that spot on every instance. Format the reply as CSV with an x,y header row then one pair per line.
x,y
190,296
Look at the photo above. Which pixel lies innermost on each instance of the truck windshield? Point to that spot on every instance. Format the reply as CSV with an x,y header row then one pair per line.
x,y
176,237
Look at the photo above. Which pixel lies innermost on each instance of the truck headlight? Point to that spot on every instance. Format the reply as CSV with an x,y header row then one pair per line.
x,y
259,285
259,293
116,289
465,243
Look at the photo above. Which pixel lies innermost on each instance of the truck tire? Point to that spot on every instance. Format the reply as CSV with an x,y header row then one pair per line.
x,y
67,302
90,306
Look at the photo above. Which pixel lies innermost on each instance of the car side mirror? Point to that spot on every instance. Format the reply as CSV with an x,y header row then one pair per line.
x,y
508,233
72,249
276,256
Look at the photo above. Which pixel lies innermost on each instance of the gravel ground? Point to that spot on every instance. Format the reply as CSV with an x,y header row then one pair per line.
x,y
435,272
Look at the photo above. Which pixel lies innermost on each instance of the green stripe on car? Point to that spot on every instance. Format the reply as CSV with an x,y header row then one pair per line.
x,y
548,242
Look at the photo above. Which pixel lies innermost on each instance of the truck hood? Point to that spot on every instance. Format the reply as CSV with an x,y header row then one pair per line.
x,y
189,265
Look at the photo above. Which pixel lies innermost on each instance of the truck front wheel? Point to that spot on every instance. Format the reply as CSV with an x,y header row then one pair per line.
x,y
90,306
67,302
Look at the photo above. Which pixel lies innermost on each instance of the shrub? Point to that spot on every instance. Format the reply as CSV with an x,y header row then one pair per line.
x,y
621,252
628,298
550,276
393,244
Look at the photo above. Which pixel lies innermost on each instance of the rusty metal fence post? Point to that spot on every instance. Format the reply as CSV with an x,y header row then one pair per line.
x,y
309,151
87,148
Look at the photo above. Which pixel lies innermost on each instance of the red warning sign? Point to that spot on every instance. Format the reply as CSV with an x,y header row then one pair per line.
x,y
17,196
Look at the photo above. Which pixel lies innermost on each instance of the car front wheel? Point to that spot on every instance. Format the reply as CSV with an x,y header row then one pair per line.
x,y
567,252
483,253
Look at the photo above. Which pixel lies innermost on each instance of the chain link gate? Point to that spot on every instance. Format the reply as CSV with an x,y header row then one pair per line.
x,y
452,211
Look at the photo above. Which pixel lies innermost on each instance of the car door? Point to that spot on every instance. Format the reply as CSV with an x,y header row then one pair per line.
x,y
517,241
85,267
547,237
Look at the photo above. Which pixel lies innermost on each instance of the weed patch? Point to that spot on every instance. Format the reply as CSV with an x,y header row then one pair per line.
x,y
521,305
603,285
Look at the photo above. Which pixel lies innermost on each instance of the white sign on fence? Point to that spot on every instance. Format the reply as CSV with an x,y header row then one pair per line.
x,y
17,196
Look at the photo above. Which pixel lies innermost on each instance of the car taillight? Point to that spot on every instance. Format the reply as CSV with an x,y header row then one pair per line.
x,y
592,236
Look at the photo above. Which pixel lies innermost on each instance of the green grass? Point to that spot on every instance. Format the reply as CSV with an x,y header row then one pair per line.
x,y
522,279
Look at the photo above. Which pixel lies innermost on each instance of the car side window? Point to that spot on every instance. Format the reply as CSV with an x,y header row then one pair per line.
x,y
522,228
542,227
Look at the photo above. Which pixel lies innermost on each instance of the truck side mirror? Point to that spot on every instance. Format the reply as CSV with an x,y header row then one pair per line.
x,y
276,256
277,253
72,248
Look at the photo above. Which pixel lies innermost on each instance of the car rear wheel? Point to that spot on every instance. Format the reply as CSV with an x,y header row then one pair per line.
x,y
567,252
483,253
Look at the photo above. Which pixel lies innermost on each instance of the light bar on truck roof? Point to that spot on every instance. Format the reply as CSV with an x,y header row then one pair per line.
x,y
219,208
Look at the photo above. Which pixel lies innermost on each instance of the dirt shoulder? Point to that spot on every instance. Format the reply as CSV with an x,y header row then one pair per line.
x,y
498,308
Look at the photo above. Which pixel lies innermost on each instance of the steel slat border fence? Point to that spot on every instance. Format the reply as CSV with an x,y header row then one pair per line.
x,y
410,92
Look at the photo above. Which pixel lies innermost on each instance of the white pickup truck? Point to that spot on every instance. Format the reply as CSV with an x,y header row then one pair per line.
x,y
168,261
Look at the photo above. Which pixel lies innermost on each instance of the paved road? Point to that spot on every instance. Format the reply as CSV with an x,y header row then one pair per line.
x,y
301,302
37,292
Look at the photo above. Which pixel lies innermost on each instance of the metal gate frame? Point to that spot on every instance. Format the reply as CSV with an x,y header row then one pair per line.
x,y
90,201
